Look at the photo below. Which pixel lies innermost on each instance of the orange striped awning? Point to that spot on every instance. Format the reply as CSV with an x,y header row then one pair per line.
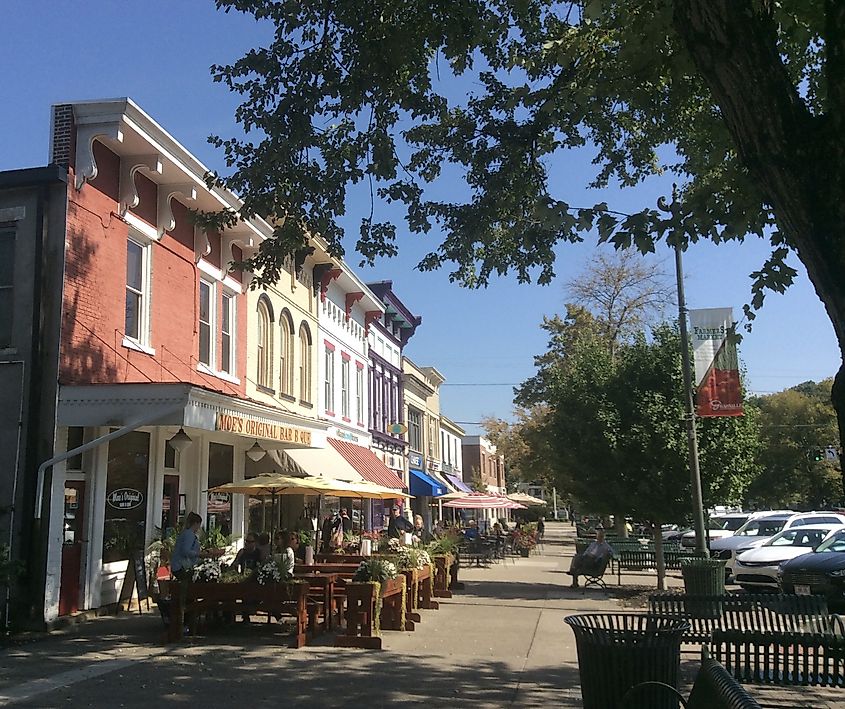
x,y
367,464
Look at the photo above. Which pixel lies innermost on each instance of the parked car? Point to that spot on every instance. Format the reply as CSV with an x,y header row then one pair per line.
x,y
759,530
719,526
821,572
757,569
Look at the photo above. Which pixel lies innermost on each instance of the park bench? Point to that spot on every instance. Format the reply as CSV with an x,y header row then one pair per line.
x,y
745,613
782,658
645,559
713,688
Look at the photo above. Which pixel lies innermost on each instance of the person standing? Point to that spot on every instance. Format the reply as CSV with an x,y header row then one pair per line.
x,y
398,524
186,551
541,527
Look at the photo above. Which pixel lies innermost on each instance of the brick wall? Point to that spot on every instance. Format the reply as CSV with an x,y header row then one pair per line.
x,y
95,291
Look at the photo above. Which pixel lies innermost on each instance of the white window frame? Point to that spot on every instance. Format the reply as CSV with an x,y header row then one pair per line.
x,y
142,341
304,343
212,324
229,299
344,387
359,393
328,382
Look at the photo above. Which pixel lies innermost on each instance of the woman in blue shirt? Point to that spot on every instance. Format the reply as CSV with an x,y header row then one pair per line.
x,y
187,548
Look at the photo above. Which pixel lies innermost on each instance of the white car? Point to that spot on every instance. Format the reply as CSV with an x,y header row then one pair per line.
x,y
758,568
719,526
759,530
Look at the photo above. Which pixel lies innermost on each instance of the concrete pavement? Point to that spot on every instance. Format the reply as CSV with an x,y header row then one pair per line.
x,y
500,643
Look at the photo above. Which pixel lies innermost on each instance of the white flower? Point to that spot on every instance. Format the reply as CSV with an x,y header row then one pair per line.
x,y
207,571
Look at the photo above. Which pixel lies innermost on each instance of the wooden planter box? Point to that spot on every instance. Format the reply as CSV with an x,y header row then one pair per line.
x,y
443,564
239,598
361,606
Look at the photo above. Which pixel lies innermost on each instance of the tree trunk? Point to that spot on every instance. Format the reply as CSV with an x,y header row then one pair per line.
x,y
797,158
658,555
619,525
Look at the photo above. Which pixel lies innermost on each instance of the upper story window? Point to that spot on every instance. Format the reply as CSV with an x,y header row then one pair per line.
x,y
359,392
286,354
227,333
328,383
264,347
415,431
137,315
206,324
7,279
344,387
304,363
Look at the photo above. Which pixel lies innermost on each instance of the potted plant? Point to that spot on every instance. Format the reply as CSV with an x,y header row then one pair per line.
x,y
215,542
524,541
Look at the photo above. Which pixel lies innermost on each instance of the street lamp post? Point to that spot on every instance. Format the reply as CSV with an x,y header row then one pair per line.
x,y
692,438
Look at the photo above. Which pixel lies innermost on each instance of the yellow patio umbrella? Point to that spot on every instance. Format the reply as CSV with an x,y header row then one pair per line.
x,y
526,499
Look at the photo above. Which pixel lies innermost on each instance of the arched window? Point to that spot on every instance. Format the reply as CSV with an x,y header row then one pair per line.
x,y
286,354
304,363
264,345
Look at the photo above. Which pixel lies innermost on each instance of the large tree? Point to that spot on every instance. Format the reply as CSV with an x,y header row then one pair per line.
x,y
618,434
742,101
796,426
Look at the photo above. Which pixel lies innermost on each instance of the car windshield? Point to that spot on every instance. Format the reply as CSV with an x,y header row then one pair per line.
x,y
835,543
729,523
761,527
798,537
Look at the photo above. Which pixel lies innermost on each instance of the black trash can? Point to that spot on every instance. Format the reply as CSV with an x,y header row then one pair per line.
x,y
617,651
703,577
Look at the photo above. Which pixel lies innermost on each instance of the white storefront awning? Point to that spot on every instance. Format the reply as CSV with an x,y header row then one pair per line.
x,y
188,406
323,462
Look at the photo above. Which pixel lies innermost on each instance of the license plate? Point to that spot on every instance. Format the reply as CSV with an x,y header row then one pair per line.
x,y
802,590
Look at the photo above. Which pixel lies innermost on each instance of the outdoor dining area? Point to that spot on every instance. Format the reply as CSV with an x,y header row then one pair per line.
x,y
337,577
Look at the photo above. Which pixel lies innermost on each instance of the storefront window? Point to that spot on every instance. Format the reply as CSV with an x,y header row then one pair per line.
x,y
126,496
221,463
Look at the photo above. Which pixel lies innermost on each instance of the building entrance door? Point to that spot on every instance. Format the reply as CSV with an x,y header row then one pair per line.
x,y
170,504
73,531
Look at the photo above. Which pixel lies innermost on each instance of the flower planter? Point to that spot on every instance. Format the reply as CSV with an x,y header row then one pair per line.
x,y
371,606
442,565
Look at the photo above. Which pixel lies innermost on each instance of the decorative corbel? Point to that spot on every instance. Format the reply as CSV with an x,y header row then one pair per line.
x,y
166,193
202,246
129,165
351,299
369,318
325,273
85,167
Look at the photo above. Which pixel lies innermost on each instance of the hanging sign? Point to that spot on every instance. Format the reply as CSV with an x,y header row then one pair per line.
x,y
717,384
125,498
397,429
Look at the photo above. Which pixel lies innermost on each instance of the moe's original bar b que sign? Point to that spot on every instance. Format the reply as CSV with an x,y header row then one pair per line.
x,y
259,429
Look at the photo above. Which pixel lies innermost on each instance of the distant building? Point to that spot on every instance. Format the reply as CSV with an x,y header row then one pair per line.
x,y
451,453
480,456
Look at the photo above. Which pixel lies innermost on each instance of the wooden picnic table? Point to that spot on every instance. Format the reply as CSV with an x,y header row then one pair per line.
x,y
238,598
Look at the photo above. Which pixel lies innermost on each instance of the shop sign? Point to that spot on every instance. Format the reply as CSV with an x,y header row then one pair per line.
x,y
416,461
347,436
252,428
125,498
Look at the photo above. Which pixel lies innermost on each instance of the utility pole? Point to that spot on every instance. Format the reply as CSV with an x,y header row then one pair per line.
x,y
692,438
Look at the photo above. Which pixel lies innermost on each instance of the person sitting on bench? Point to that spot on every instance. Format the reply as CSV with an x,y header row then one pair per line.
x,y
592,560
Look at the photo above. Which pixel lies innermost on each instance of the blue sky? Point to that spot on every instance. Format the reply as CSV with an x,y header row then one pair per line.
x,y
159,52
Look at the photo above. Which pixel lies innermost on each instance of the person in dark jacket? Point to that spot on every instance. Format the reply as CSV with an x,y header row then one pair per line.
x,y
398,524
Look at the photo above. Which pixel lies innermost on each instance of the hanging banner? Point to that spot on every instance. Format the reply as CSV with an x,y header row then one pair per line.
x,y
717,384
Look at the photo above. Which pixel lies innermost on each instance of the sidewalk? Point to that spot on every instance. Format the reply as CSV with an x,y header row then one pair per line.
x,y
500,643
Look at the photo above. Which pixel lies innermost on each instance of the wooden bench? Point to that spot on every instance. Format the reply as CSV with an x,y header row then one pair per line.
x,y
713,688
782,658
745,613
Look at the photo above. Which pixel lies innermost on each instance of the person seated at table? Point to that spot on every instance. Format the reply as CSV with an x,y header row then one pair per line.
x,y
439,528
592,559
498,532
263,547
419,530
290,543
471,532
248,557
